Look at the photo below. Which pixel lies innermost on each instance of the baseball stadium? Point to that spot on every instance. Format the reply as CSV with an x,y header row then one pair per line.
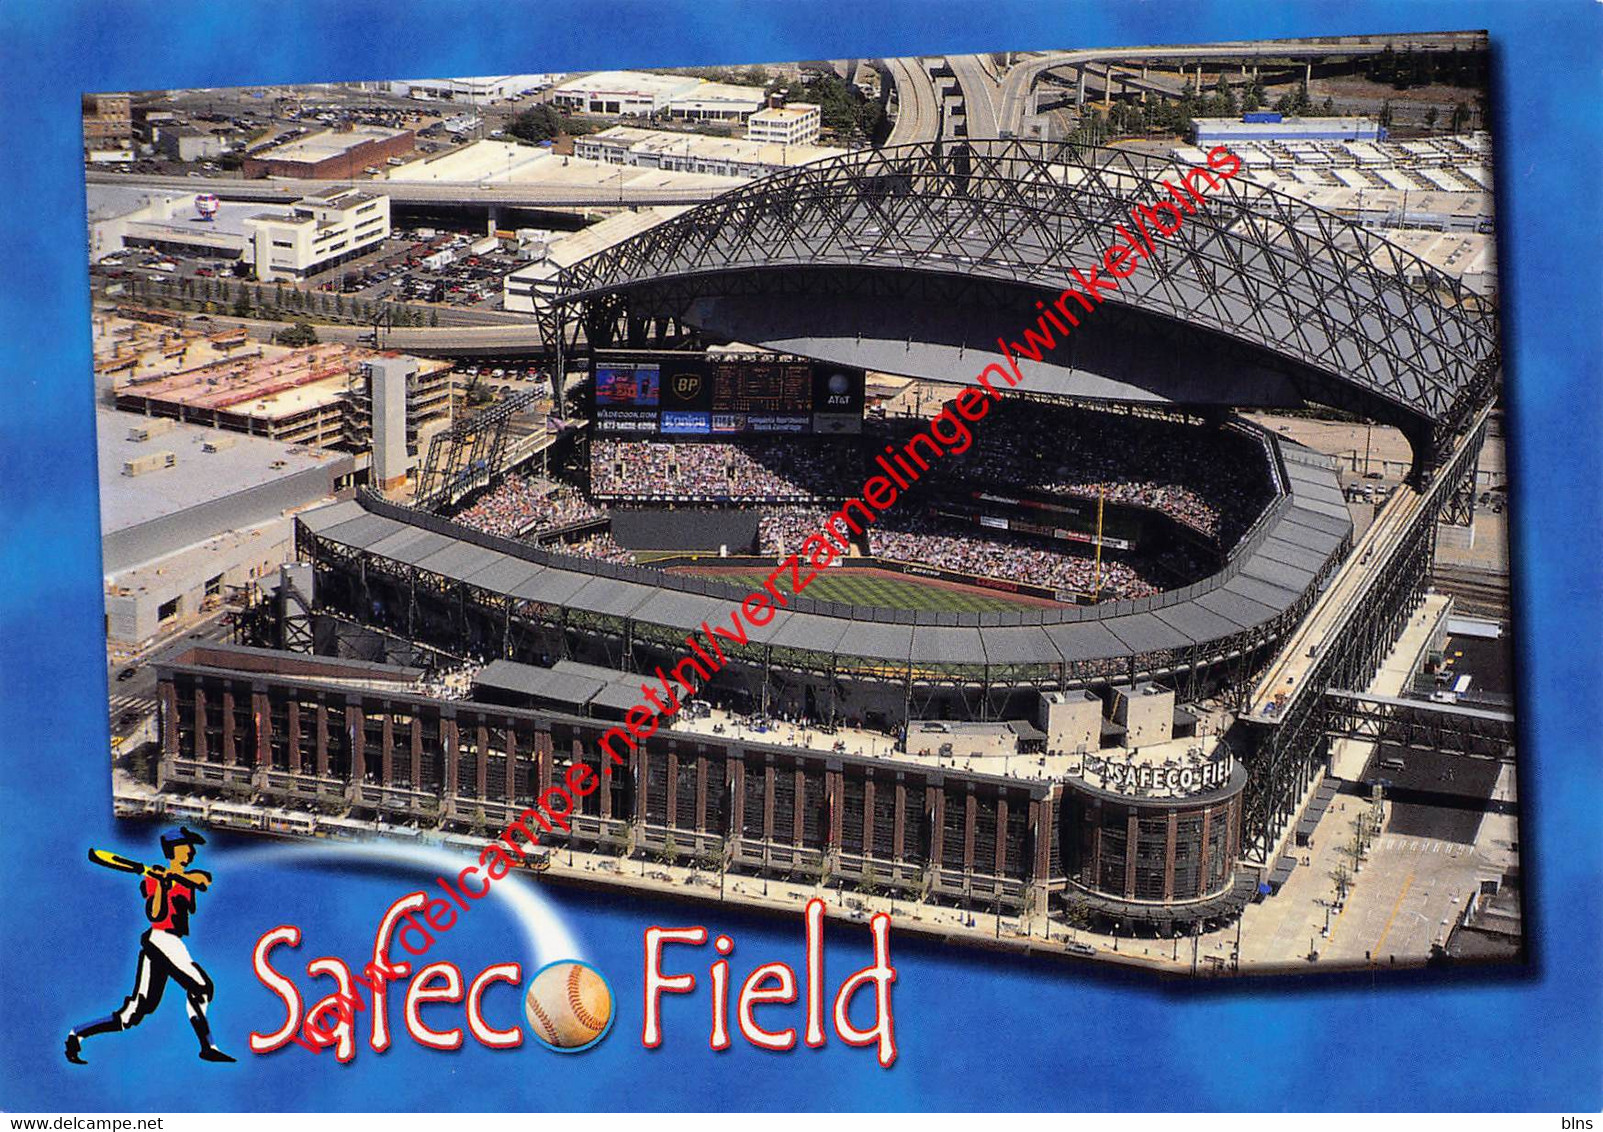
x,y
1088,666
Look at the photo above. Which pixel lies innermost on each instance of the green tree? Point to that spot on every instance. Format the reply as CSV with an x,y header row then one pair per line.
x,y
1460,116
302,333
1329,108
542,122
434,318
1430,118
869,882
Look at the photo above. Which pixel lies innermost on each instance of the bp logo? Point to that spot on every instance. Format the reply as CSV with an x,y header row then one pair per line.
x,y
685,386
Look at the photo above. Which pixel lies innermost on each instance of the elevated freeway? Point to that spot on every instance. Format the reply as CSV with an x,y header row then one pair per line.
x,y
918,108
981,93
1021,79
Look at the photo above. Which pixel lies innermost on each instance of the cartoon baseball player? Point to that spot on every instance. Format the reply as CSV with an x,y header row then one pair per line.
x,y
169,892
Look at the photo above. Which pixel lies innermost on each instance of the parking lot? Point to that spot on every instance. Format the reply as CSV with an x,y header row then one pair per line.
x,y
426,265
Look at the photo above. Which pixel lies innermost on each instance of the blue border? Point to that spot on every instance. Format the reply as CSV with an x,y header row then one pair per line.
x,y
1530,1042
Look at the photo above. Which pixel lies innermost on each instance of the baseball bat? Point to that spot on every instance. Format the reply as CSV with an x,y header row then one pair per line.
x,y
109,860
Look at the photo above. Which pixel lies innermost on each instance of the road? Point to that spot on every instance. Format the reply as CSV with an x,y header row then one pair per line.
x,y
918,111
1024,75
421,192
980,94
134,700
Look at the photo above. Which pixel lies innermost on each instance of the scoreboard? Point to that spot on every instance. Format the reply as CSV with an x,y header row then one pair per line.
x,y
704,396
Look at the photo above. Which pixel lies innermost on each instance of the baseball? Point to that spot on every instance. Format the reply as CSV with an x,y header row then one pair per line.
x,y
568,1005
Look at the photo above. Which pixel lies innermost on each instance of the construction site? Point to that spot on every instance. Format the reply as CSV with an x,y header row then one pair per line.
x,y
159,364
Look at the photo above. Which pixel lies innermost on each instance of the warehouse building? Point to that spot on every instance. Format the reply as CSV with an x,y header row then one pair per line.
x,y
186,143
696,153
187,514
312,235
108,127
717,102
629,94
481,89
330,155
1269,126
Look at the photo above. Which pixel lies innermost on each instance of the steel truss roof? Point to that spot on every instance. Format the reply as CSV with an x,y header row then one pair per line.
x,y
1254,265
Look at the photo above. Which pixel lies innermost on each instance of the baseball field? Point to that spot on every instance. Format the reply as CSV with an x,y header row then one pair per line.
x,y
881,588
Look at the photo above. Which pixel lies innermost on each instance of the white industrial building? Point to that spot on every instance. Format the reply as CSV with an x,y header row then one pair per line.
x,y
695,153
188,513
524,286
316,233
479,89
634,94
313,234
717,102
1266,126
799,123
186,143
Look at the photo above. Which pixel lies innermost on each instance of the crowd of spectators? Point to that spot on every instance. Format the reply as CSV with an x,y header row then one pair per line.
x,y
783,470
995,554
782,530
520,505
600,545
1213,481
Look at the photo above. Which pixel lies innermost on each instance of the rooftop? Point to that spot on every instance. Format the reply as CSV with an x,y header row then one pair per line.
x,y
742,150
199,476
629,82
789,112
723,92
326,143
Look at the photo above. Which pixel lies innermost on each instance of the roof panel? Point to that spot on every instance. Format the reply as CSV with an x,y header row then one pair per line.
x,y
409,545
1252,589
1288,579
1233,607
680,610
1321,541
363,532
1143,632
1196,622
1019,644
320,519
1083,640
1319,521
504,574
1278,549
947,644
610,597
876,640
459,560
808,632
554,587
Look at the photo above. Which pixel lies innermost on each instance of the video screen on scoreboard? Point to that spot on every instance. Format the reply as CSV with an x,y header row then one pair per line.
x,y
627,396
727,395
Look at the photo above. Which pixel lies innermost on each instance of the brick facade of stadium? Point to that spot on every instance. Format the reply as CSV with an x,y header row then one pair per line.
x,y
273,723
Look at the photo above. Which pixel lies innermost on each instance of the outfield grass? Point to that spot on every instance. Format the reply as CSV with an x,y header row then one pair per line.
x,y
857,587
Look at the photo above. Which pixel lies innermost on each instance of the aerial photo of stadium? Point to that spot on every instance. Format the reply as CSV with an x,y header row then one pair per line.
x,y
1173,632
